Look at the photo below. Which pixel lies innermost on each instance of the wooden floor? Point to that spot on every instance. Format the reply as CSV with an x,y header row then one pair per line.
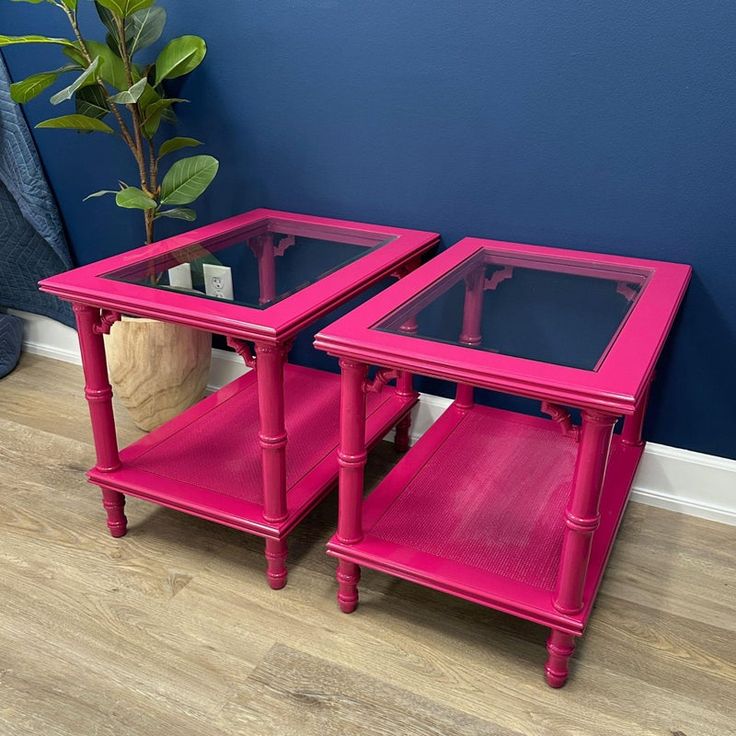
x,y
173,631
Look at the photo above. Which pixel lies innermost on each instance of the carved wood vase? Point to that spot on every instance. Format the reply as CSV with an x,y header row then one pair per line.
x,y
157,369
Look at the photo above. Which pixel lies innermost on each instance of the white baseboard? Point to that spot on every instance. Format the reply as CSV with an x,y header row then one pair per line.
x,y
44,336
668,477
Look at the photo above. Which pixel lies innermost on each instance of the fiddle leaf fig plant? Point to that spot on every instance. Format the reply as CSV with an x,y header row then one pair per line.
x,y
113,92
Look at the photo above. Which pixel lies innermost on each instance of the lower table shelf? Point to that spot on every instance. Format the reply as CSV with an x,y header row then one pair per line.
x,y
207,461
476,509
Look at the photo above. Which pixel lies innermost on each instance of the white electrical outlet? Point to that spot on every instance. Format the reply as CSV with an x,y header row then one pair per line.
x,y
180,277
218,281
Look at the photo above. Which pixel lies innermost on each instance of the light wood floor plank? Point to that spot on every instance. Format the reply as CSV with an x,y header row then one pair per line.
x,y
172,629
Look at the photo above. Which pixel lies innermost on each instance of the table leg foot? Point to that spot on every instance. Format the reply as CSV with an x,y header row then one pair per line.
x,y
560,647
114,505
348,575
276,573
401,437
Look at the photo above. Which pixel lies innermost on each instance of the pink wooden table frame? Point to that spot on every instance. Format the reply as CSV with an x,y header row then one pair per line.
x,y
514,512
243,427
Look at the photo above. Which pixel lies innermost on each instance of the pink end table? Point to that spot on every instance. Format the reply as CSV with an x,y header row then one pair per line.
x,y
258,454
514,512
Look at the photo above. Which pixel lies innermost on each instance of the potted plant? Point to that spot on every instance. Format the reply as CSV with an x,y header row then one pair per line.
x,y
157,369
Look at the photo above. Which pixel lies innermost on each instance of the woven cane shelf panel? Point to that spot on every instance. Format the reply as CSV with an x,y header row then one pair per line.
x,y
492,496
219,450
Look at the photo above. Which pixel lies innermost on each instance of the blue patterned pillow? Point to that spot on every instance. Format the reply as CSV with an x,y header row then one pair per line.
x,y
11,337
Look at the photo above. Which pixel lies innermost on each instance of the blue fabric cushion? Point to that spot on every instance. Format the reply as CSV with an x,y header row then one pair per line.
x,y
11,337
32,244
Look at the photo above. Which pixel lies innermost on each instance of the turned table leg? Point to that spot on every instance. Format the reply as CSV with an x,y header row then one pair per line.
x,y
470,334
560,647
351,458
276,574
272,438
405,390
401,437
632,429
98,393
266,269
581,519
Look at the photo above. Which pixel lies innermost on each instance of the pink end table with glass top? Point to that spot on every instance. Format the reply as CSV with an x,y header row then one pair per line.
x,y
515,512
258,454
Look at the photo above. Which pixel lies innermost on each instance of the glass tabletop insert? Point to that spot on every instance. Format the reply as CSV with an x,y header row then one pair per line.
x,y
546,309
255,266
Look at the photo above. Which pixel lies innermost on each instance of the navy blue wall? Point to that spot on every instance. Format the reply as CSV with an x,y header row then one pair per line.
x,y
606,126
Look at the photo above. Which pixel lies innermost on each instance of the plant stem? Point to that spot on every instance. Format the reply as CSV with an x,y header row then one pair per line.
x,y
124,133
153,166
140,156
134,142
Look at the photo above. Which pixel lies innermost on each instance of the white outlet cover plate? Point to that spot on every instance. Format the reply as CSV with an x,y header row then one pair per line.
x,y
218,281
180,277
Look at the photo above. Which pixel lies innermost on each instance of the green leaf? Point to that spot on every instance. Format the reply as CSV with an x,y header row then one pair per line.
x,y
32,86
71,4
111,69
174,144
67,92
134,198
178,213
144,28
153,113
130,96
123,8
187,179
101,193
108,20
76,122
141,29
91,101
148,97
34,2
180,56
11,40
169,115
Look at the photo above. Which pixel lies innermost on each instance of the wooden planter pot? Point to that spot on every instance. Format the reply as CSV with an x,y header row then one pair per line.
x,y
157,369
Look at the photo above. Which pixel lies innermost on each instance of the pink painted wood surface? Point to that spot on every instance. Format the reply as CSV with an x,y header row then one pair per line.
x,y
402,436
97,388
499,508
617,386
560,647
276,323
631,433
272,434
352,457
266,269
210,461
470,334
98,392
206,462
488,526
582,513
276,552
352,450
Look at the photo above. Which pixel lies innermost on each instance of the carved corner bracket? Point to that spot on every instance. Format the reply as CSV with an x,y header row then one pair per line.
x,y
284,245
497,277
243,349
626,291
563,419
107,319
381,379
405,268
